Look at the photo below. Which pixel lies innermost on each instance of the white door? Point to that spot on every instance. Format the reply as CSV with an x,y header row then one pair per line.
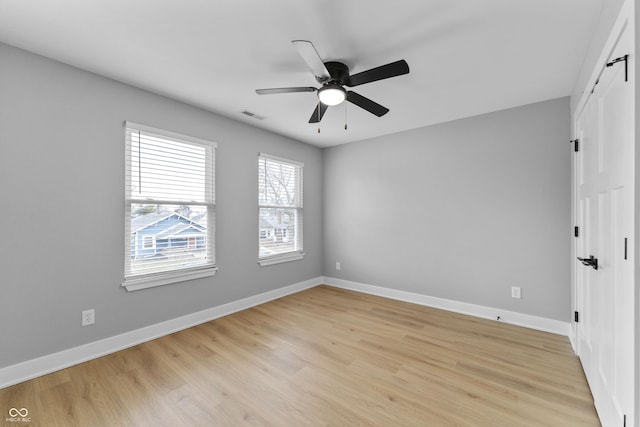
x,y
587,133
605,207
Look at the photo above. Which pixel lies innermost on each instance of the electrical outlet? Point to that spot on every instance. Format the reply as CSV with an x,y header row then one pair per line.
x,y
88,317
516,292
337,265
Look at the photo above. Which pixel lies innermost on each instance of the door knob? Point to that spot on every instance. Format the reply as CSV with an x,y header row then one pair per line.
x,y
589,262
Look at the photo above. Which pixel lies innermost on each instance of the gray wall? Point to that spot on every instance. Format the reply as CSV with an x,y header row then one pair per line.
x,y
462,210
61,197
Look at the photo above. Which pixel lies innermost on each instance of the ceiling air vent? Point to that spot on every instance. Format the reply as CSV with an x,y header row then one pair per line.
x,y
254,115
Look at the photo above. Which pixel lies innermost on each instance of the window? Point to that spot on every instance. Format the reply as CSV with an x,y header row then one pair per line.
x,y
265,234
280,210
148,242
169,207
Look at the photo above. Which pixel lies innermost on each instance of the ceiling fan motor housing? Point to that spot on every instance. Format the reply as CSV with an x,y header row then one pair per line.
x,y
339,73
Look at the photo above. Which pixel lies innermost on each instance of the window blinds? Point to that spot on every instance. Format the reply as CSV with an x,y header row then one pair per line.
x,y
169,203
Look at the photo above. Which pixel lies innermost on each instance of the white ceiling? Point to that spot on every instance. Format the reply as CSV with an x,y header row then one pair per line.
x,y
467,57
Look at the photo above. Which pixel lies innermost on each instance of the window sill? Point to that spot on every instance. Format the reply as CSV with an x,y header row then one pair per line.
x,y
137,283
278,259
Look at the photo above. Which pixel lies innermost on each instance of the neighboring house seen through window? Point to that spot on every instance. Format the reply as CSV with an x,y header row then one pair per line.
x,y
280,210
169,207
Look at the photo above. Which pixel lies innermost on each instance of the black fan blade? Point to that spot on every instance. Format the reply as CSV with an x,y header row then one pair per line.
x,y
317,116
393,69
367,104
310,55
285,90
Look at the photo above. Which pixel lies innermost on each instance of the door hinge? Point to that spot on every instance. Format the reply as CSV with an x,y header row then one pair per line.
x,y
624,421
576,317
576,231
576,144
626,65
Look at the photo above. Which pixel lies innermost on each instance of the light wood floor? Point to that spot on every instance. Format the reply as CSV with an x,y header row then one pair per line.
x,y
324,356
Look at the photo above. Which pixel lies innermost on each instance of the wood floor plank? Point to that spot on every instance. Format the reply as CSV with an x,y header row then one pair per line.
x,y
323,357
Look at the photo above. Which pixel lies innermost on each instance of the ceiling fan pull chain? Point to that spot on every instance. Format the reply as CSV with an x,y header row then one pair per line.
x,y
345,116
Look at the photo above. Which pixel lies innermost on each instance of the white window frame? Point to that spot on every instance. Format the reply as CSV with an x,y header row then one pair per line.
x,y
137,282
298,252
151,246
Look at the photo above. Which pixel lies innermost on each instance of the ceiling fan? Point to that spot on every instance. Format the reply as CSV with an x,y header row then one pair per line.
x,y
334,76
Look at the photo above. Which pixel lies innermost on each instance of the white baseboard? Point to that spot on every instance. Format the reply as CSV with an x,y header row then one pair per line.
x,y
511,317
572,338
29,369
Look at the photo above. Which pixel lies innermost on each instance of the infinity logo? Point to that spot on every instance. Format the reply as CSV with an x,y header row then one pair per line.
x,y
22,412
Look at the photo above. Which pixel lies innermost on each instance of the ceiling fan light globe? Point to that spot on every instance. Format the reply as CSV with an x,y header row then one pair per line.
x,y
332,95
